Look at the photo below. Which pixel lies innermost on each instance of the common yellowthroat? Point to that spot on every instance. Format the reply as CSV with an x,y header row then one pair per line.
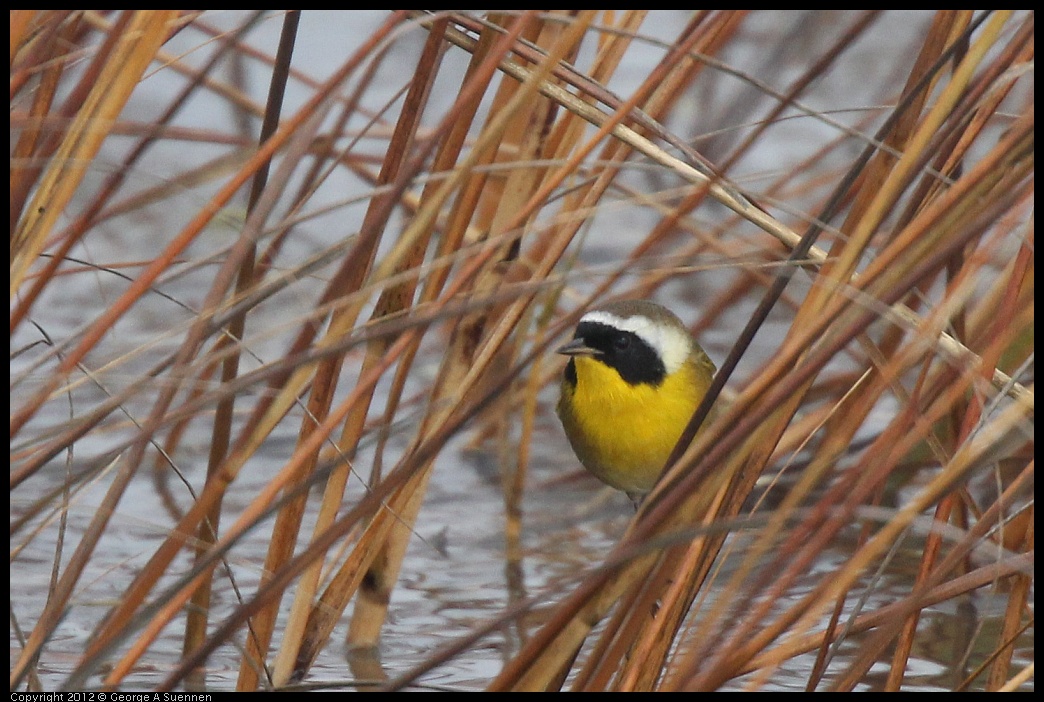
x,y
635,376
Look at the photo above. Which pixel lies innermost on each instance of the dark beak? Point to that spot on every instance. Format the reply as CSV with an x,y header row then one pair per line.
x,y
577,347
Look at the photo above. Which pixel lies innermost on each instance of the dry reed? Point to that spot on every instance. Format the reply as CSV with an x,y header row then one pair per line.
x,y
342,277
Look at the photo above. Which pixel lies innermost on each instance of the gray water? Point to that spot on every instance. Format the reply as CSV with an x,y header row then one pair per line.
x,y
456,575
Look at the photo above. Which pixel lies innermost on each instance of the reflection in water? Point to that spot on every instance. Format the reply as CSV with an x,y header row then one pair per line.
x,y
477,561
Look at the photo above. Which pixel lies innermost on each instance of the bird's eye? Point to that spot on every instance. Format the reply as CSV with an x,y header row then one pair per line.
x,y
620,343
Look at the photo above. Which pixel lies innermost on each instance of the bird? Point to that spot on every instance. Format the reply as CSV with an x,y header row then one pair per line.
x,y
635,376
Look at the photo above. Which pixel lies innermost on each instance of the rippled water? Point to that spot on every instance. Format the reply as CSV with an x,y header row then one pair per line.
x,y
456,575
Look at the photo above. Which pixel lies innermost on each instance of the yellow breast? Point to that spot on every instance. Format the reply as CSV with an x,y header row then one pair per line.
x,y
624,433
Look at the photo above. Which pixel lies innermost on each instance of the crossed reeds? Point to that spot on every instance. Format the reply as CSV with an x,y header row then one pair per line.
x,y
914,258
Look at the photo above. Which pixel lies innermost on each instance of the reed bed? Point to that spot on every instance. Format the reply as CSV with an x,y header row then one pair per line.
x,y
320,287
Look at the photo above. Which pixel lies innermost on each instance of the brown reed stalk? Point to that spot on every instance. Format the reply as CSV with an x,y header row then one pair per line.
x,y
432,307
214,487
199,604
